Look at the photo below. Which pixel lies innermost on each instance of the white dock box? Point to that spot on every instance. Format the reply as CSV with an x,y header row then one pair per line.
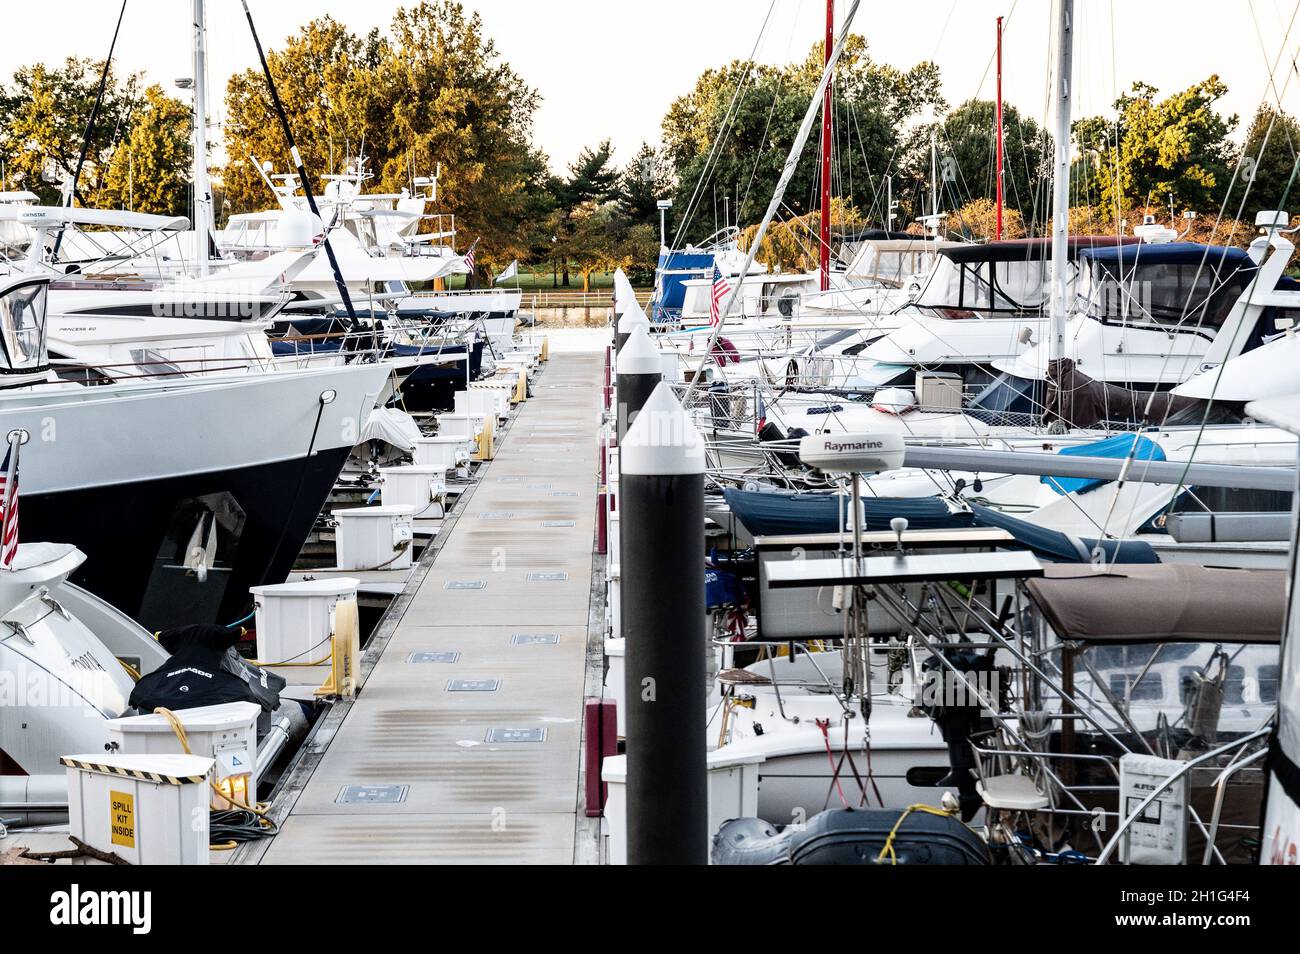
x,y
226,733
445,451
465,426
368,538
732,793
416,486
295,622
146,809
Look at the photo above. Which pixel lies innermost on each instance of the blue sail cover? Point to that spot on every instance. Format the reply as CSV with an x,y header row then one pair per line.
x,y
1117,448
781,513
674,269
1057,547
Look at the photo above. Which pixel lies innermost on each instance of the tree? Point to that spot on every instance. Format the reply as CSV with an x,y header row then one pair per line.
x,y
730,135
966,147
643,182
977,219
435,94
43,114
150,171
791,244
1268,162
591,182
1155,150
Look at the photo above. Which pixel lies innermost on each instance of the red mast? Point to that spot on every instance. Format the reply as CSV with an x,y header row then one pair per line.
x,y
824,238
999,122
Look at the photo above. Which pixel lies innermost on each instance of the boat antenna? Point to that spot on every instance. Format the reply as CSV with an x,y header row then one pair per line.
x,y
90,127
787,172
301,168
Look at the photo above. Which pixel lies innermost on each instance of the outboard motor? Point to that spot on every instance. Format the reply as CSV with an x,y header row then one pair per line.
x,y
770,433
956,710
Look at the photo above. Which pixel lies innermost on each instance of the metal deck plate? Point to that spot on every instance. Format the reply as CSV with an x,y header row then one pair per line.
x,y
464,584
564,493
496,514
433,657
552,577
559,523
535,639
516,735
371,794
473,685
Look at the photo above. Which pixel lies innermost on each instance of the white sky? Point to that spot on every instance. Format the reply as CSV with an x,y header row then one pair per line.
x,y
611,67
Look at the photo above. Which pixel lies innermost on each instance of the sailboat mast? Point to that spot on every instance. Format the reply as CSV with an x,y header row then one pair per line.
x,y
1061,199
999,122
202,191
824,243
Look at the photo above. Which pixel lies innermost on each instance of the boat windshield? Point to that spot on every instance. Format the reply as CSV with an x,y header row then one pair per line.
x,y
1196,294
962,288
22,326
1008,400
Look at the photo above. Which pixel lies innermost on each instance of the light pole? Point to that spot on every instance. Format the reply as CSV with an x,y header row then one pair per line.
x,y
663,205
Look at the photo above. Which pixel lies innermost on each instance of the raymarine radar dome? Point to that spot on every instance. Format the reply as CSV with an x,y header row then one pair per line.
x,y
852,453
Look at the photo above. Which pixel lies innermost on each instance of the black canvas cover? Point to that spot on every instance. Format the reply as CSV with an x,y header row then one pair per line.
x,y
205,670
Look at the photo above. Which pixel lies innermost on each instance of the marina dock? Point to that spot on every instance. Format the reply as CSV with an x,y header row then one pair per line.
x,y
464,742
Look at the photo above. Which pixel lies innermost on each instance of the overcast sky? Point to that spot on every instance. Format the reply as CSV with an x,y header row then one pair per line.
x,y
611,67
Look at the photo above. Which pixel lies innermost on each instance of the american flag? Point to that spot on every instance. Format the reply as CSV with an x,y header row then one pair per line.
x,y
469,256
9,505
721,289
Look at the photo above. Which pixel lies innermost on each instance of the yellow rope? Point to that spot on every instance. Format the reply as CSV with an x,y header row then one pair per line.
x,y
889,842
259,810
131,670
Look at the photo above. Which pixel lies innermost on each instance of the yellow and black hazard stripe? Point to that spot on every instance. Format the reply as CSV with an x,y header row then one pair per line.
x,y
143,776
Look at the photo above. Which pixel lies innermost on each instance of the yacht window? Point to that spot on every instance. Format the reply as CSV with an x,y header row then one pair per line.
x,y
1006,395
976,290
22,315
1148,688
1024,283
1194,294
1269,677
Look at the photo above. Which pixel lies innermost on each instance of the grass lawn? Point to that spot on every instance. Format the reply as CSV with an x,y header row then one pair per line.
x,y
542,281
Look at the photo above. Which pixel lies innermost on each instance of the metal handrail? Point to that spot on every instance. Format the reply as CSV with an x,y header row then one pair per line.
x,y
1111,845
1220,792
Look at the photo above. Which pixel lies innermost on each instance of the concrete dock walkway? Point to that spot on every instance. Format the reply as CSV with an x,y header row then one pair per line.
x,y
464,743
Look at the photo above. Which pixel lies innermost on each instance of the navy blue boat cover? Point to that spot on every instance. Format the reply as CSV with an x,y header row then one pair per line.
x,y
780,513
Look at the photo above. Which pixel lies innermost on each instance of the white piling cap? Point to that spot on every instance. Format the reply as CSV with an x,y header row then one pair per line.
x,y
639,354
623,293
632,317
662,441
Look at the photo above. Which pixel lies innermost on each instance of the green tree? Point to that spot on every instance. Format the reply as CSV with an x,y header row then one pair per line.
x,y
1268,158
966,148
434,94
1156,149
719,140
643,182
43,114
149,172
591,181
